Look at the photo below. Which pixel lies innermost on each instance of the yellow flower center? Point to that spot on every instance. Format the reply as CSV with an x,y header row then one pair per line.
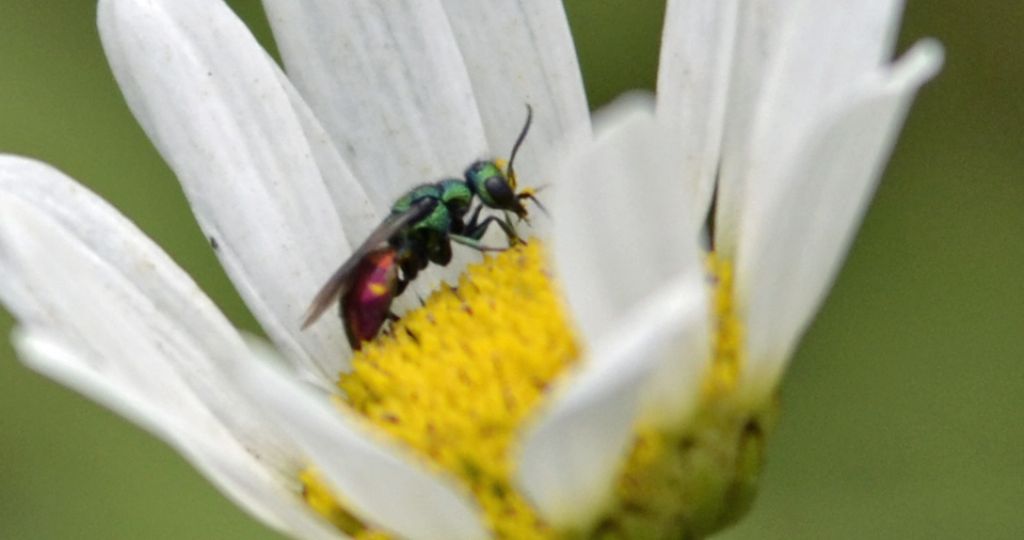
x,y
458,379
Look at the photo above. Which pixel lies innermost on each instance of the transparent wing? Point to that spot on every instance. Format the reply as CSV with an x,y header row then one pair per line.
x,y
341,280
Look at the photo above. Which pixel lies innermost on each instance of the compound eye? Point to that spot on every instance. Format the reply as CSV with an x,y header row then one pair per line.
x,y
500,191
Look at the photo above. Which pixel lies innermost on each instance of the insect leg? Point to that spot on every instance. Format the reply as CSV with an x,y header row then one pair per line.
x,y
473,242
474,219
477,231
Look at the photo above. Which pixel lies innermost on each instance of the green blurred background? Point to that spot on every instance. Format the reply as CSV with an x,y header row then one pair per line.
x,y
903,409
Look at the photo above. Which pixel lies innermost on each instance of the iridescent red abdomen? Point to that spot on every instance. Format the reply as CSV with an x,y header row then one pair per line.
x,y
367,303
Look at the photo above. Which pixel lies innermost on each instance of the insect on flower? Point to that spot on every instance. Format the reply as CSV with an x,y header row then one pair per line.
x,y
419,230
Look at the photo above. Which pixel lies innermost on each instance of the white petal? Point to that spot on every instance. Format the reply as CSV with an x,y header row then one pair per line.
x,y
827,49
820,50
72,265
381,484
759,25
798,236
622,222
388,83
212,102
147,342
520,52
571,456
358,214
693,83
221,459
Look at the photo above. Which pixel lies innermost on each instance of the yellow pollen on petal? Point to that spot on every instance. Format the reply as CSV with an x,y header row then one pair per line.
x,y
319,497
727,336
503,167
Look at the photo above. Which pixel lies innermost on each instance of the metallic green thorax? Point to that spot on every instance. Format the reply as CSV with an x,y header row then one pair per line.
x,y
454,198
419,192
437,221
456,195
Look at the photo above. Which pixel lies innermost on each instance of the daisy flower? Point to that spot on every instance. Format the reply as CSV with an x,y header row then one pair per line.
x,y
616,376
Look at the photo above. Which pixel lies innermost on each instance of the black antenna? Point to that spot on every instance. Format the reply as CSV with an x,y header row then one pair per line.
x,y
519,142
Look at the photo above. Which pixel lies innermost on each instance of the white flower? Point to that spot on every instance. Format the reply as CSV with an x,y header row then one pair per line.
x,y
792,108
